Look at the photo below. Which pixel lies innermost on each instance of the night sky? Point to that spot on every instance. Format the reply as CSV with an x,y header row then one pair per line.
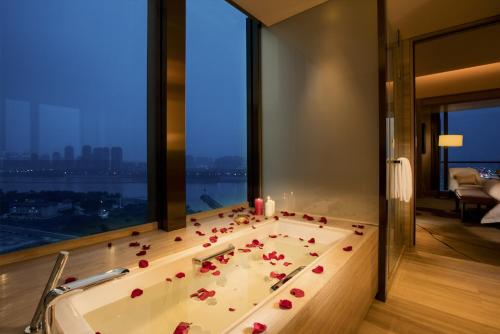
x,y
82,63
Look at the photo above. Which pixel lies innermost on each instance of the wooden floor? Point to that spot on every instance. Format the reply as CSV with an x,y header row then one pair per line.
x,y
447,284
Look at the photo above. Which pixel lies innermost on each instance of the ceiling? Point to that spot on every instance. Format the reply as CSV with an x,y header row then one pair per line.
x,y
459,50
419,17
271,12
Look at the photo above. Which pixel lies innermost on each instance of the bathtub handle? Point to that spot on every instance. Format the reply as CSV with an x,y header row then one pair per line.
x,y
288,277
230,248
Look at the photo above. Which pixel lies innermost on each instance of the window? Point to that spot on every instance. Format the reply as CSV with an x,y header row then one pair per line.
x,y
216,105
480,150
73,119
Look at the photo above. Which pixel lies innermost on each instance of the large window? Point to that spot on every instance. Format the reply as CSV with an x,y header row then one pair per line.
x,y
480,150
72,119
216,105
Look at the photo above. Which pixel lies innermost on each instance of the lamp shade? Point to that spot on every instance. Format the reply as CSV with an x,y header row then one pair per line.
x,y
451,140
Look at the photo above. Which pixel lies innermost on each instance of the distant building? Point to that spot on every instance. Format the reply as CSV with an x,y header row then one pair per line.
x,y
116,159
69,157
57,161
86,158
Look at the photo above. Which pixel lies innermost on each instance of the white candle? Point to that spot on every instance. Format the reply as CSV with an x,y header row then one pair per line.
x,y
269,207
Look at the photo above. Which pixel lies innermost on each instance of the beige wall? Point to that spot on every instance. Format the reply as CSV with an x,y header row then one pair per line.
x,y
320,110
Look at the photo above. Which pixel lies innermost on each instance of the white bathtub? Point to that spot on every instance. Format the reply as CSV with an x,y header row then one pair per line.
x,y
242,286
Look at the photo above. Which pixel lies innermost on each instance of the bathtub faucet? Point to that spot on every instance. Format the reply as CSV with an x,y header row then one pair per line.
x,y
43,319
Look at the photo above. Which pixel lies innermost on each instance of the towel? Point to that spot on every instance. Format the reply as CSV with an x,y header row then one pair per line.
x,y
403,180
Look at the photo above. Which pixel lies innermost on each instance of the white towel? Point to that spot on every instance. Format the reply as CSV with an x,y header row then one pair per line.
x,y
404,180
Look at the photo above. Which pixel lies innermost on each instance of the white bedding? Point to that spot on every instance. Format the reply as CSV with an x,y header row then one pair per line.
x,y
492,187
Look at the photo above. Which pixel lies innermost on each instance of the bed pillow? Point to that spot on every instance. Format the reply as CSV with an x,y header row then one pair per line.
x,y
466,179
493,216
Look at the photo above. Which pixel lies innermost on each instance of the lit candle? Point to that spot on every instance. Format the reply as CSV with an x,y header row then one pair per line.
x,y
259,206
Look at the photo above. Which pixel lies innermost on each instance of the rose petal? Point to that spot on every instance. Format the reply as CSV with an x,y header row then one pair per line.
x,y
313,254
258,328
311,241
221,215
358,232
110,244
285,304
141,253
180,275
168,279
297,293
320,226
213,239
286,264
276,218
178,239
200,233
182,328
134,244
214,230
207,244
273,236
277,275
216,273
231,309
135,233
136,293
361,226
196,224
323,220
143,264
244,250
193,220
347,248
146,247
69,279
318,270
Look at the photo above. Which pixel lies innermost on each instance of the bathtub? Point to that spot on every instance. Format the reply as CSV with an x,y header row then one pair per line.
x,y
242,286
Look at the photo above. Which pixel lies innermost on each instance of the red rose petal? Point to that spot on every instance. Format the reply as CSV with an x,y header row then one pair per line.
x,y
223,230
313,254
273,236
207,244
110,244
323,220
196,224
182,328
320,226
200,233
318,270
146,247
216,273
135,233
180,275
347,248
69,279
277,275
214,230
213,239
178,239
141,253
276,218
301,239
244,250
258,328
221,215
358,232
286,264
297,293
193,220
311,241
231,309
134,244
361,226
136,293
285,304
143,264
168,279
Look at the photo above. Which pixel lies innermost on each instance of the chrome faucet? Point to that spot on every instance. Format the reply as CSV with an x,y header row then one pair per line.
x,y
43,319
